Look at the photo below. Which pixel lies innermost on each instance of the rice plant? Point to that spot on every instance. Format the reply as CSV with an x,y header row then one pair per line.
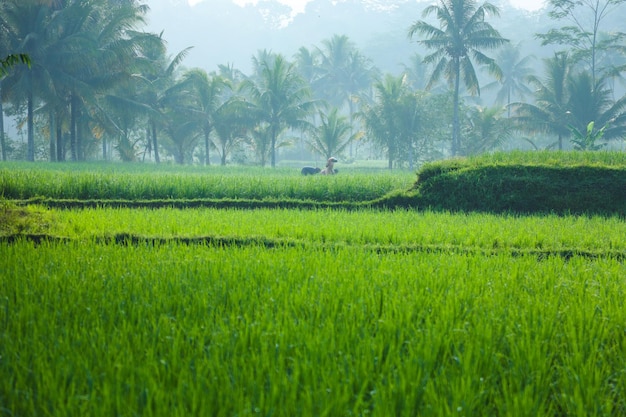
x,y
101,329
22,181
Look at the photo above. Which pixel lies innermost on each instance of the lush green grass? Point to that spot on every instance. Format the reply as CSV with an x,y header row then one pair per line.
x,y
552,158
537,182
94,329
166,312
20,181
364,227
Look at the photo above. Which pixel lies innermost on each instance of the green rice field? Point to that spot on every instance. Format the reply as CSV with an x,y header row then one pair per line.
x,y
283,312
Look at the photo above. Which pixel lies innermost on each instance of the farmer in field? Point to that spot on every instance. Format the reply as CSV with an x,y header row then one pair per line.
x,y
330,167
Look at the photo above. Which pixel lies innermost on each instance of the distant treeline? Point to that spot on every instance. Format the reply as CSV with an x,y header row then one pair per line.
x,y
101,88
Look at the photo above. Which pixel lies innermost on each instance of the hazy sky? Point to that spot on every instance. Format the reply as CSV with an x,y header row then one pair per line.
x,y
298,6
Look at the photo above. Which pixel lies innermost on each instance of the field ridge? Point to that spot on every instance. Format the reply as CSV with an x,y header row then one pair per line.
x,y
129,239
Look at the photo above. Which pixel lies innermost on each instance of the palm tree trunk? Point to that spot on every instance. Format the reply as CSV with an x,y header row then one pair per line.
x,y
273,147
31,138
180,158
59,140
351,111
73,144
80,151
52,129
2,137
508,103
207,161
154,139
456,122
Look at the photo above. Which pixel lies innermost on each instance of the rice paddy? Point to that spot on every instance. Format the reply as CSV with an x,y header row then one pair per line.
x,y
345,313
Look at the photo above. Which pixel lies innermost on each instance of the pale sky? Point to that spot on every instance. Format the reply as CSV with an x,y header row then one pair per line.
x,y
298,6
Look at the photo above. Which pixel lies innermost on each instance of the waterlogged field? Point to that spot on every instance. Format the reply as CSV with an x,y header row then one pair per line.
x,y
276,312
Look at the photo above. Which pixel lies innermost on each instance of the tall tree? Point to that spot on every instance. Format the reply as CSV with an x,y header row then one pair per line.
x,y
30,23
159,83
550,113
206,93
308,65
119,56
585,18
486,130
345,73
459,39
591,108
281,97
332,135
79,50
392,119
232,123
515,72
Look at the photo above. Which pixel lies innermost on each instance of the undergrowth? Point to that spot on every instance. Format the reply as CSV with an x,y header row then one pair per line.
x,y
16,219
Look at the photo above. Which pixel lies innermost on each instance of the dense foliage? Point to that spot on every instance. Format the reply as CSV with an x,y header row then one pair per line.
x,y
108,90
537,182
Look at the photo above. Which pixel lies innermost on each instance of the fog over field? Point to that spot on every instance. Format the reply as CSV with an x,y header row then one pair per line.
x,y
232,31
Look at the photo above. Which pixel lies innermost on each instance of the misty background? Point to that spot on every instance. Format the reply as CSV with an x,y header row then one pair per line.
x,y
218,40
221,32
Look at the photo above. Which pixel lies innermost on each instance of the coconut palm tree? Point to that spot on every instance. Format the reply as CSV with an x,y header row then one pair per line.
x,y
206,93
79,50
307,62
344,74
332,135
29,23
392,119
459,39
486,129
592,111
182,133
232,123
280,97
550,113
515,73
159,84
259,139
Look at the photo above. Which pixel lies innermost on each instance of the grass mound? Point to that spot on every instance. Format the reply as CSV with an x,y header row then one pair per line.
x,y
543,182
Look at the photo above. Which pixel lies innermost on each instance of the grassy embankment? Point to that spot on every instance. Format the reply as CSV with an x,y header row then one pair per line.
x,y
536,182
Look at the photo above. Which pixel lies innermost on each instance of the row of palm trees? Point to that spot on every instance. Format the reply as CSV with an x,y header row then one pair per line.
x,y
568,102
571,100
96,80
80,54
